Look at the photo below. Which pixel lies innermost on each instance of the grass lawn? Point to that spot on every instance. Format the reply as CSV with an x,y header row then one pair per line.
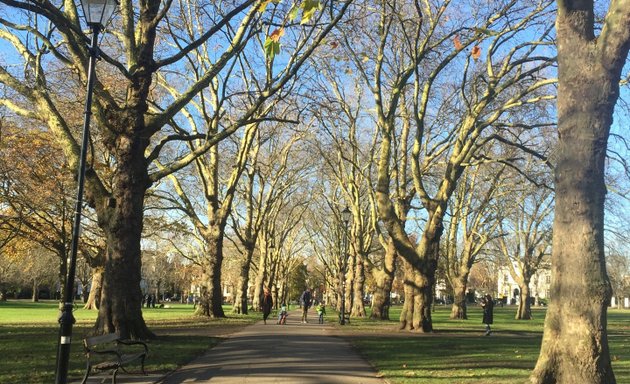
x,y
29,333
458,352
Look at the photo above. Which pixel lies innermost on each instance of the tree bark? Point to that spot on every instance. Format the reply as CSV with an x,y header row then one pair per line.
x,y
121,218
358,308
94,299
240,300
459,310
524,311
211,300
575,341
384,280
35,296
260,279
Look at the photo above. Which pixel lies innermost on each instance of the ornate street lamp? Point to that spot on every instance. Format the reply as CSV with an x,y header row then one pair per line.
x,y
346,215
97,13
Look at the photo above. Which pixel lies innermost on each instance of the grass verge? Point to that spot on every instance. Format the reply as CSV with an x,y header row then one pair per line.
x,y
459,353
29,335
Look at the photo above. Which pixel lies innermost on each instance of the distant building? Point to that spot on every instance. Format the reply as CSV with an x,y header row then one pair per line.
x,y
509,290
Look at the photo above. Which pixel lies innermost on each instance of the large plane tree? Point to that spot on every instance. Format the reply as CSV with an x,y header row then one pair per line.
x,y
575,341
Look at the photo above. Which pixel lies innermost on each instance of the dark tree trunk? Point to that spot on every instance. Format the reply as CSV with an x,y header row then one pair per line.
x,y
575,340
121,218
240,299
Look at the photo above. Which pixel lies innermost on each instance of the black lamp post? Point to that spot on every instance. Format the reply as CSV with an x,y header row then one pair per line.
x,y
97,13
345,217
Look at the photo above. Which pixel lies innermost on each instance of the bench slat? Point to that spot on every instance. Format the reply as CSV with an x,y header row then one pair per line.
x,y
95,340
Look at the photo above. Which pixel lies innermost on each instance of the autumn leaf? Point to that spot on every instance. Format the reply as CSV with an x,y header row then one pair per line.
x,y
476,52
272,48
334,44
276,35
457,43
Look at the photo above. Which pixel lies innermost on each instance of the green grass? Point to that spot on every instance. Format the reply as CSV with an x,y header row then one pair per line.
x,y
29,336
458,352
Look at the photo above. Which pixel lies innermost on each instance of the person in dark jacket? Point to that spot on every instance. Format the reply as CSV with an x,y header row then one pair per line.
x,y
488,306
266,304
306,300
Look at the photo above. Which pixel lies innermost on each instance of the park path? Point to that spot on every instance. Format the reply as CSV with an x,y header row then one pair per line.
x,y
292,353
261,353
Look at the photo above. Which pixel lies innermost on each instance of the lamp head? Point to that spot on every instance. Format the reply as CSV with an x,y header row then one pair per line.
x,y
98,12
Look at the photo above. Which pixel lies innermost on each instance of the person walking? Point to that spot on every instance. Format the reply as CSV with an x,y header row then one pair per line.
x,y
306,300
488,306
266,304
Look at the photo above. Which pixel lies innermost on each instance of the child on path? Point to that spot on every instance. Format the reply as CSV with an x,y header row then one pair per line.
x,y
282,316
321,311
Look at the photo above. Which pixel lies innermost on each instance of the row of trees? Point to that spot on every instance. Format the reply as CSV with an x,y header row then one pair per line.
x,y
251,125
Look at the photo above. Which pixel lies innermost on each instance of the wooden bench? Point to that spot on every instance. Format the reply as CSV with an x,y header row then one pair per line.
x,y
109,352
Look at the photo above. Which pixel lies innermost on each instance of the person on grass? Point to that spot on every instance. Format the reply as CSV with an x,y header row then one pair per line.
x,y
488,306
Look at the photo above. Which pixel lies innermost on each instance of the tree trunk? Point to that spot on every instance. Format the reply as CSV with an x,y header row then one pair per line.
x,y
358,308
240,300
406,315
422,321
121,218
211,301
260,279
524,311
35,296
384,280
94,299
575,340
459,309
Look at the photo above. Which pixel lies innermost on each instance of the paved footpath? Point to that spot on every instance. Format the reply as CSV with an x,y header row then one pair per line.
x,y
292,353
